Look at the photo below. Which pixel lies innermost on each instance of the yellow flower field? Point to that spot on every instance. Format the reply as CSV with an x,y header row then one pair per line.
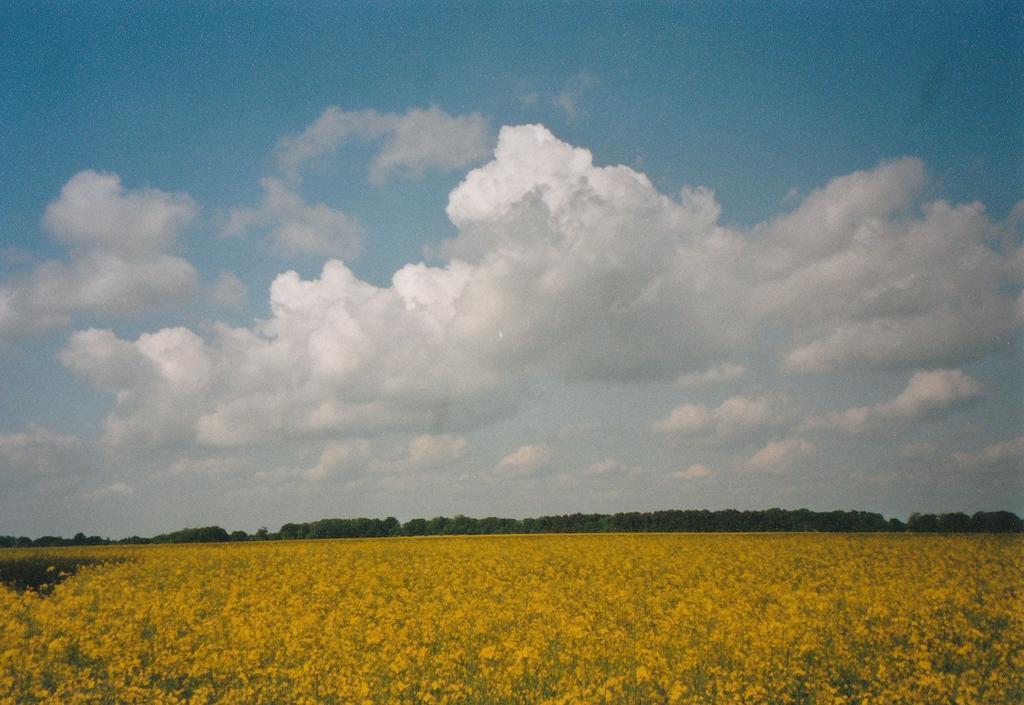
x,y
638,618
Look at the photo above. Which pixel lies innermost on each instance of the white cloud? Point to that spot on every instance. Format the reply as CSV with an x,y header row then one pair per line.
x,y
339,457
430,450
929,393
736,415
296,228
917,451
36,449
419,140
726,372
355,464
610,467
340,355
590,267
527,98
119,488
431,139
204,467
781,455
569,98
701,205
564,287
603,467
96,211
91,284
689,419
329,131
13,256
229,291
115,489
37,462
120,262
560,269
526,460
157,381
862,280
693,472
1010,452
425,451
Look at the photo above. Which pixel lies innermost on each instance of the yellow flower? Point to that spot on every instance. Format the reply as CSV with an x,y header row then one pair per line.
x,y
569,620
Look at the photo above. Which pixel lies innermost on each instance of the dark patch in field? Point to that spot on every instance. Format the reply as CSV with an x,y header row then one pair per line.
x,y
42,573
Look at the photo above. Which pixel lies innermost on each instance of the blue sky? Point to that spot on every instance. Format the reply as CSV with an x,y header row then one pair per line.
x,y
816,213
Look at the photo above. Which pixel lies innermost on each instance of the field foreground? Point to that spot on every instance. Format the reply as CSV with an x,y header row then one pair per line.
x,y
640,618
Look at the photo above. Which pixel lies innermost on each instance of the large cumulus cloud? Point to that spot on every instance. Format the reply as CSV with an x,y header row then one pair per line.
x,y
569,270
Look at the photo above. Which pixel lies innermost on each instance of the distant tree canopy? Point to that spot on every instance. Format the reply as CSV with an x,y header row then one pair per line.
x,y
205,534
340,529
671,520
958,522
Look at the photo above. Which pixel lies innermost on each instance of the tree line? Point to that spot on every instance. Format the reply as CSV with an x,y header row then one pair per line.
x,y
672,520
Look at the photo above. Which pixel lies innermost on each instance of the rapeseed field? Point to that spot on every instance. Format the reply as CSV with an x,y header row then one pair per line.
x,y
641,618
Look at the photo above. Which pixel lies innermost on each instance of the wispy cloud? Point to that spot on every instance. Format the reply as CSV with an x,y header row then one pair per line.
x,y
781,455
411,143
733,417
726,372
228,291
296,228
525,460
569,99
929,393
693,472
1004,452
